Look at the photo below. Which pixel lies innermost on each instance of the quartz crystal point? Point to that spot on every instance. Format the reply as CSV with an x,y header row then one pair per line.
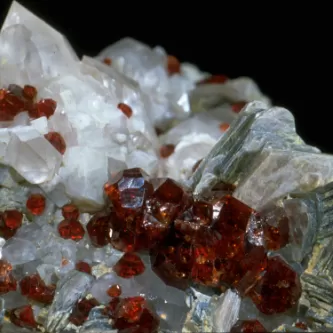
x,y
263,144
167,96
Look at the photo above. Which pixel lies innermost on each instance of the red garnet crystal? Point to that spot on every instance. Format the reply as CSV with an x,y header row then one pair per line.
x,y
46,108
224,127
81,311
167,150
99,229
29,92
173,65
23,317
35,289
11,104
125,109
107,61
71,229
129,265
83,267
70,212
114,291
36,204
275,229
301,325
247,326
12,219
215,79
128,191
133,315
207,246
279,288
7,281
237,107
57,141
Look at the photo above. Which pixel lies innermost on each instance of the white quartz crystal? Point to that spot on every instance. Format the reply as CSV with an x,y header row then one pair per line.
x,y
19,251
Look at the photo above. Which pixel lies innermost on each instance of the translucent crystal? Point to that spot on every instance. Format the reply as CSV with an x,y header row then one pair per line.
x,y
19,251
69,290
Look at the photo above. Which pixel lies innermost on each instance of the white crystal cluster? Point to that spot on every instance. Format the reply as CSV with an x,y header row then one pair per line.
x,y
100,139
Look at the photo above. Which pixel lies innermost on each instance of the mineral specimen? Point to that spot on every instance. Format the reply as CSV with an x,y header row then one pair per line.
x,y
141,195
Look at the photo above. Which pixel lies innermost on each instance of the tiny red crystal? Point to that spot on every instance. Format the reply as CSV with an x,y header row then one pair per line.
x,y
237,107
81,311
167,150
129,265
57,141
99,229
12,219
29,92
71,229
173,65
36,204
125,109
7,281
84,267
107,61
70,212
214,79
133,315
23,317
247,326
224,127
114,290
35,289
46,108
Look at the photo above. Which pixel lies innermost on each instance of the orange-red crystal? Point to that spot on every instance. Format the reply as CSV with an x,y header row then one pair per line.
x,y
173,65
247,326
114,290
129,265
36,204
81,311
125,109
71,229
237,107
10,221
214,79
23,317
70,212
167,150
133,315
7,280
35,289
84,267
57,141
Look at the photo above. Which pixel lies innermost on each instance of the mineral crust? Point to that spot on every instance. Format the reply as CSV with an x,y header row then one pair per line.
x,y
141,195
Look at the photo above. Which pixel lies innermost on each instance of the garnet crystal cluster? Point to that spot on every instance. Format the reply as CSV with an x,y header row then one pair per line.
x,y
139,194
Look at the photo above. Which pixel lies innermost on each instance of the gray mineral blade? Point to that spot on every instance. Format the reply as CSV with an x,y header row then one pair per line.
x,y
264,157
69,290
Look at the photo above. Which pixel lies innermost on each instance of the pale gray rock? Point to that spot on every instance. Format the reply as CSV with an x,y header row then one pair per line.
x,y
69,290
18,251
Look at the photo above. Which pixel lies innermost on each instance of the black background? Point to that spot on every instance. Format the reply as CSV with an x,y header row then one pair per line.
x,y
285,48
